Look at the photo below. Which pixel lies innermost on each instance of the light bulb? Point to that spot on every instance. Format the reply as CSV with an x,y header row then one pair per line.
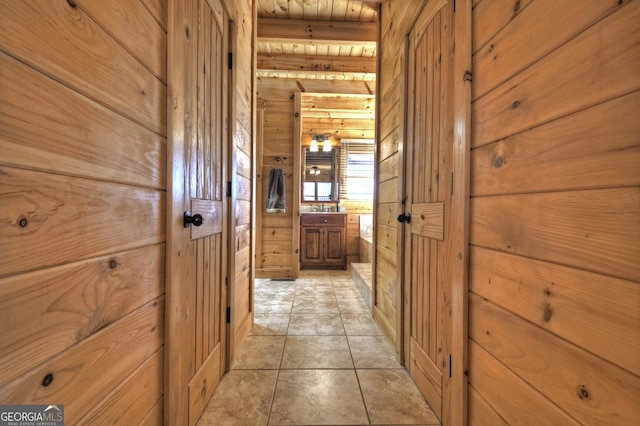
x,y
314,145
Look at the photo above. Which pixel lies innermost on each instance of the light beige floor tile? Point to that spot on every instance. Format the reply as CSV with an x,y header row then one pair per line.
x,y
315,325
342,282
312,291
360,325
316,352
260,352
314,285
273,307
270,325
318,397
392,398
347,293
316,305
372,352
242,398
353,306
340,275
272,296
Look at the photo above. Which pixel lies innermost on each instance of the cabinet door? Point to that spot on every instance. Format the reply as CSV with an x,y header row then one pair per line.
x,y
334,245
312,245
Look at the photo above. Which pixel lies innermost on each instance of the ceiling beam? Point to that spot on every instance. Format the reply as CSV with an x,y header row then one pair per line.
x,y
275,30
300,63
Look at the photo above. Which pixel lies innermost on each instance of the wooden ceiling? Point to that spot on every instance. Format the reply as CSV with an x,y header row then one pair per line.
x,y
317,39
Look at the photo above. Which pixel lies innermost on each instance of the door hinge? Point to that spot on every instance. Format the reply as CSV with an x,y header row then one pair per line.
x,y
229,318
454,6
229,189
452,184
449,363
230,58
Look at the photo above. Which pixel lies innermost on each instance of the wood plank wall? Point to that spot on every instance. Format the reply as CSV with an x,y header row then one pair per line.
x,y
554,328
274,252
241,155
82,207
396,20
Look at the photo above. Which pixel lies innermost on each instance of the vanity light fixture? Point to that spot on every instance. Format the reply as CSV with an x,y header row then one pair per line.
x,y
324,138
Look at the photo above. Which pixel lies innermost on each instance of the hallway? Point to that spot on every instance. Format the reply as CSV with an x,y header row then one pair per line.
x,y
315,357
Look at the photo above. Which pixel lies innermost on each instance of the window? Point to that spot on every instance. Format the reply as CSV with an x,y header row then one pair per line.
x,y
356,169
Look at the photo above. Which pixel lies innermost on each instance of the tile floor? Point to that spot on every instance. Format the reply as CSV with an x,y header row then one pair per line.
x,y
315,357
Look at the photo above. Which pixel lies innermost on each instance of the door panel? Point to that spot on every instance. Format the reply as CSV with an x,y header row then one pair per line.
x,y
312,244
333,247
426,174
196,269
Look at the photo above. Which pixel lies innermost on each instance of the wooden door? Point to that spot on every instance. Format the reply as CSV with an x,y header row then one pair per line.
x,y
334,245
427,179
196,271
311,245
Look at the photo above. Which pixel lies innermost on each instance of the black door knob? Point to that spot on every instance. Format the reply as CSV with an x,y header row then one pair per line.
x,y
196,219
404,217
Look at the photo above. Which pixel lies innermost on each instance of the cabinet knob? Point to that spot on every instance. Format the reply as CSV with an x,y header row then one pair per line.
x,y
325,221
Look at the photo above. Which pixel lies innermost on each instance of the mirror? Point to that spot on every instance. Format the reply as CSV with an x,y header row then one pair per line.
x,y
320,177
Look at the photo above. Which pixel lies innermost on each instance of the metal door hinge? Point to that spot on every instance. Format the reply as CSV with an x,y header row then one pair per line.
x,y
229,189
451,183
230,58
449,365
229,316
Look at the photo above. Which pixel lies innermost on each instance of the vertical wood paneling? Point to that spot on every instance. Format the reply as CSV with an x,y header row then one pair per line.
x,y
198,268
429,148
554,219
396,21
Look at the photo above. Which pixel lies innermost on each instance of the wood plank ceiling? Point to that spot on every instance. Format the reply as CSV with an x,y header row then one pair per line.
x,y
317,39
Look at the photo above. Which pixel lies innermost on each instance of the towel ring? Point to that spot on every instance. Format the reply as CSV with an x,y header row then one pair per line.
x,y
278,160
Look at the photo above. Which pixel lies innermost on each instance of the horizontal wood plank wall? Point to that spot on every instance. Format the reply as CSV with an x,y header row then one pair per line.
x,y
554,320
274,247
83,206
396,20
242,152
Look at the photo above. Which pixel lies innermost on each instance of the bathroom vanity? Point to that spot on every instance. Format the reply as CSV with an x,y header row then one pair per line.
x,y
323,240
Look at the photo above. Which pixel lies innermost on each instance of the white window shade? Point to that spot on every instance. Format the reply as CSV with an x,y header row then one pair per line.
x,y
357,159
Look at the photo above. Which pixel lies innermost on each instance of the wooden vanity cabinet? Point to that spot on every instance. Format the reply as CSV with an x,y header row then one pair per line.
x,y
323,241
